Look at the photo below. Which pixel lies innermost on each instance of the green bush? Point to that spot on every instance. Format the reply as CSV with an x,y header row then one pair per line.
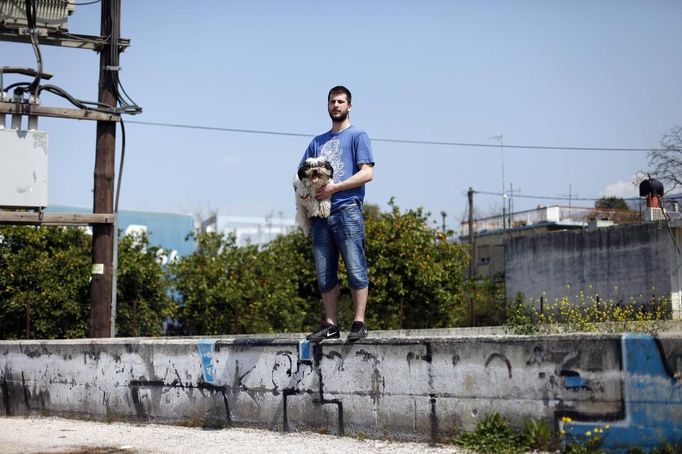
x,y
45,284
44,291
417,280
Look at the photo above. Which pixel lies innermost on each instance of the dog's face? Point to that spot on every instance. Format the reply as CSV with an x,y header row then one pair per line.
x,y
316,172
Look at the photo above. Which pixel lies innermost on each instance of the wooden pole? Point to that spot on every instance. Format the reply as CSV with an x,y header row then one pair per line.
x,y
101,284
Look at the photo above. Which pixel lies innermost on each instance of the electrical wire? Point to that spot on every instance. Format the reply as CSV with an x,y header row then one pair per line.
x,y
120,166
83,3
124,103
15,85
31,13
416,142
527,147
85,105
214,128
668,220
499,194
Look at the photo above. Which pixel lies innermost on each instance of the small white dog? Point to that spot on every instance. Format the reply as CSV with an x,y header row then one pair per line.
x,y
312,175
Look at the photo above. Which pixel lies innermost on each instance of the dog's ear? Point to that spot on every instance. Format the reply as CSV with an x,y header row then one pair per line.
x,y
329,168
301,171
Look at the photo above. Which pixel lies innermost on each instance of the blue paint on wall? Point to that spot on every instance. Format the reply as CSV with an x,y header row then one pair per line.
x,y
206,351
305,351
575,382
652,402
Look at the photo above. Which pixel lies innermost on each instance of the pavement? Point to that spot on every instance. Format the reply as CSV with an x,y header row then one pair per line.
x,y
50,435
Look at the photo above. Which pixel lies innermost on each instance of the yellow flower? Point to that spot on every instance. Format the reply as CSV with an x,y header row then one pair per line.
x,y
588,433
562,432
566,419
607,427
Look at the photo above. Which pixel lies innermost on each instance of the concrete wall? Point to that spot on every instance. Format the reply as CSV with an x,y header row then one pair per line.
x,y
425,388
618,263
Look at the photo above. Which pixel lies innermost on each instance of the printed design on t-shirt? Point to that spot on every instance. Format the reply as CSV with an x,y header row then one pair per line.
x,y
333,153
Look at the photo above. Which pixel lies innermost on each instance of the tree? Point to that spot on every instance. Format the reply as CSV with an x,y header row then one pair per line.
x,y
666,162
416,276
143,301
44,289
614,209
226,289
44,284
611,202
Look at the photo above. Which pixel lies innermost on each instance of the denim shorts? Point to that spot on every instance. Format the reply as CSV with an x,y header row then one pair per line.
x,y
342,232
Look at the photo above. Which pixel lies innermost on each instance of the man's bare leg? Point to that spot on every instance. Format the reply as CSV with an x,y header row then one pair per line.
x,y
330,301
359,298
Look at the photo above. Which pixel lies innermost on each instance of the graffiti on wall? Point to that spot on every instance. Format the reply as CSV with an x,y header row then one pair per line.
x,y
652,403
622,386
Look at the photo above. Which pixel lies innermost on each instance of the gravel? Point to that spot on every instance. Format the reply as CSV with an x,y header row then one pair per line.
x,y
37,435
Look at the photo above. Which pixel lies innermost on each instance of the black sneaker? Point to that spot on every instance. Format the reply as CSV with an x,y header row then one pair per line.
x,y
326,331
357,331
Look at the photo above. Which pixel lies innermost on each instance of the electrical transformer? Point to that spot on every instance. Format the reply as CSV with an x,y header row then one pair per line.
x,y
23,168
50,14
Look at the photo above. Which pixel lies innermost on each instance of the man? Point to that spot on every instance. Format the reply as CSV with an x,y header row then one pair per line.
x,y
349,151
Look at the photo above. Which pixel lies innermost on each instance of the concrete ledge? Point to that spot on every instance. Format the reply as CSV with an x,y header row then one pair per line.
x,y
421,387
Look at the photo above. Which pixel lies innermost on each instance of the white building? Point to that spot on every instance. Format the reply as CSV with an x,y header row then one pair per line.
x,y
249,230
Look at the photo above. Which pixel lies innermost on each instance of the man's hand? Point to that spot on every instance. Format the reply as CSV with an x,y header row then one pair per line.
x,y
364,175
325,191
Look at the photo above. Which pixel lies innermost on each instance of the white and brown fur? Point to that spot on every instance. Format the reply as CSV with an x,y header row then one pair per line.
x,y
312,175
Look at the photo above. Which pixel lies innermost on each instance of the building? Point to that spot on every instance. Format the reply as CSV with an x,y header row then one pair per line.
x,y
491,233
169,231
249,230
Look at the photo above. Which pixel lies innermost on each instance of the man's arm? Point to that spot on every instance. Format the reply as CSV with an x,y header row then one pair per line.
x,y
362,176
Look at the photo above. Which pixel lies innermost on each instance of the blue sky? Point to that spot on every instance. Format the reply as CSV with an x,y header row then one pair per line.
x,y
553,73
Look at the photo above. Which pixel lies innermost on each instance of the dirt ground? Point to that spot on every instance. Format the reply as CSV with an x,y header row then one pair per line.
x,y
38,435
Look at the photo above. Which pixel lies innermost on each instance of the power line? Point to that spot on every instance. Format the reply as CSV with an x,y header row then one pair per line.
x,y
84,3
403,141
547,197
527,147
215,128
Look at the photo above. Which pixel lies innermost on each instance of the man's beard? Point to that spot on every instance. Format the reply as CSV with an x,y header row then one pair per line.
x,y
341,117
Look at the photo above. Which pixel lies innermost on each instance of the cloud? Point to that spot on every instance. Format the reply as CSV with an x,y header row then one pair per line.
x,y
621,188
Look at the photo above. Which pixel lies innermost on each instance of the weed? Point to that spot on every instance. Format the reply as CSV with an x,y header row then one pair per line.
x,y
493,436
588,443
538,434
587,313
668,448
361,436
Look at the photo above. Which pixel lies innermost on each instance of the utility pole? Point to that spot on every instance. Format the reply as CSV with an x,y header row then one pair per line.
x,y
500,139
472,254
101,285
103,218
472,242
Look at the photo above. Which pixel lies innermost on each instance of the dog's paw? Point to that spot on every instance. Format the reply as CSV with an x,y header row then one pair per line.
x,y
325,208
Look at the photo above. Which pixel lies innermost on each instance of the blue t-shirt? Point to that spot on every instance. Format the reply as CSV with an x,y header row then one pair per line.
x,y
345,151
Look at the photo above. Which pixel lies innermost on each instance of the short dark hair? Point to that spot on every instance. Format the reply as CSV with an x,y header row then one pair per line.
x,y
338,90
